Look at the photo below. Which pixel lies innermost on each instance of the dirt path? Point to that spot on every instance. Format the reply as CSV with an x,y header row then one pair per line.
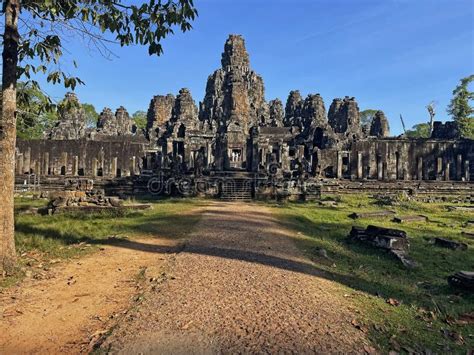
x,y
77,301
240,286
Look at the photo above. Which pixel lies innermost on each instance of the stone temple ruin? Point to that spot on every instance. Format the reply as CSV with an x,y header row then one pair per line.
x,y
235,144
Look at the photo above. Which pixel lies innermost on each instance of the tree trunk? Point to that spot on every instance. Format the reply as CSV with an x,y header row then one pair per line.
x,y
8,136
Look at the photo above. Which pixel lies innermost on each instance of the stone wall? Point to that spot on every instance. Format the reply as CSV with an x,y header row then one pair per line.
x,y
412,159
120,156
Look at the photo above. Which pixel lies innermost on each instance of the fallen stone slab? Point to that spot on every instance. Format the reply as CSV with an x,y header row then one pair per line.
x,y
462,279
66,194
461,208
404,259
357,215
393,240
115,202
28,211
380,237
469,235
328,203
410,218
450,244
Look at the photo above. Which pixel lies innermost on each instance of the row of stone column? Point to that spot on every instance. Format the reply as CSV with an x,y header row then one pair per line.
x,y
443,168
44,166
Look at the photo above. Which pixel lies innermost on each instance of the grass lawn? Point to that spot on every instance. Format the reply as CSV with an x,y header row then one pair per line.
x,y
46,239
428,317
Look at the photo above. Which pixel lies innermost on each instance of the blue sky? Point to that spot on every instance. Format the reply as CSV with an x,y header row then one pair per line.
x,y
394,55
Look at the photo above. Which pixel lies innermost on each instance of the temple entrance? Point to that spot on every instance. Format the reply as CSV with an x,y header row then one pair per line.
x,y
235,158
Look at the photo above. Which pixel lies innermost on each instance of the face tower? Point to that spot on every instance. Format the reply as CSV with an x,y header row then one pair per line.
x,y
233,104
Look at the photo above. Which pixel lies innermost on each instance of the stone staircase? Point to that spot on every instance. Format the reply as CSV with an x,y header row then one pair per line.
x,y
237,189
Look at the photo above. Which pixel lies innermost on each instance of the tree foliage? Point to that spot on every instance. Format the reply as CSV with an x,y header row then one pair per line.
x,y
460,108
35,112
366,117
46,25
91,115
139,117
421,130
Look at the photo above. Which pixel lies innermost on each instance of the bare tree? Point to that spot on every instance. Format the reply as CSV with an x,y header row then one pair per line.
x,y
431,110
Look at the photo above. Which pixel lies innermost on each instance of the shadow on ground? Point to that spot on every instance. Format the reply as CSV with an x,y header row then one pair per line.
x,y
352,256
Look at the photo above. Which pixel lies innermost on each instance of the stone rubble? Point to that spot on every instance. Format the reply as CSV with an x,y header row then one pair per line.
x,y
393,240
462,279
450,244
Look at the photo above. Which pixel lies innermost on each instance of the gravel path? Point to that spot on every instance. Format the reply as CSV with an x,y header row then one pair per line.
x,y
240,286
74,302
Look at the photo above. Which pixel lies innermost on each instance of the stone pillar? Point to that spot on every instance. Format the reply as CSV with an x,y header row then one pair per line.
x,y
419,168
300,151
159,160
75,165
439,168
385,172
45,168
285,158
397,166
339,165
359,166
19,164
148,164
94,166
406,174
264,158
252,165
209,153
379,168
114,166
64,162
27,162
446,171
459,167
190,161
467,173
133,165
37,168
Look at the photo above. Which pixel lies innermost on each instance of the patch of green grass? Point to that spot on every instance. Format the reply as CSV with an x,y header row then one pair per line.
x,y
50,234
41,239
429,306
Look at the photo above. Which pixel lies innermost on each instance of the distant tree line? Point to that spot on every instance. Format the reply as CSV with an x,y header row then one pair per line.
x,y
37,113
460,109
